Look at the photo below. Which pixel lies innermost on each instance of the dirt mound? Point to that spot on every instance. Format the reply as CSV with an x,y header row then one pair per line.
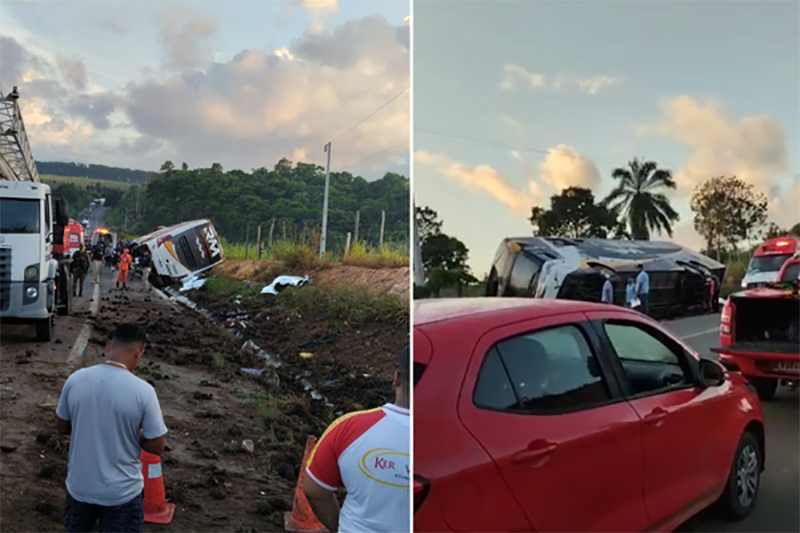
x,y
380,280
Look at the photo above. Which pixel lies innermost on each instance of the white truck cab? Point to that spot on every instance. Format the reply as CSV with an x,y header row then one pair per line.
x,y
29,274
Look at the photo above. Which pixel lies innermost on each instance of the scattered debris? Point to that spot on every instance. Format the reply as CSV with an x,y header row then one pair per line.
x,y
282,281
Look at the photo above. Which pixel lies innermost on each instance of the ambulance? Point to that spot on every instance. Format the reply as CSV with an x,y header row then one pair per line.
x,y
767,261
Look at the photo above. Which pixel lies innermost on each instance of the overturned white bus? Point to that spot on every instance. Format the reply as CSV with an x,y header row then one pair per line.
x,y
574,269
181,251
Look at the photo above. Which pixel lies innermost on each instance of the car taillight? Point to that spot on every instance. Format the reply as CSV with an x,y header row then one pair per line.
x,y
421,488
726,322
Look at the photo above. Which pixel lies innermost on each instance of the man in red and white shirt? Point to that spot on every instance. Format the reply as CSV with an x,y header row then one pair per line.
x,y
367,453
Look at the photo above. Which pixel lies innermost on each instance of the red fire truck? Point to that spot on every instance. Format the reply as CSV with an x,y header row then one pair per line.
x,y
760,332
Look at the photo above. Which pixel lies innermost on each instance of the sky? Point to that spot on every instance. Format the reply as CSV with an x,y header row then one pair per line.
x,y
244,83
514,101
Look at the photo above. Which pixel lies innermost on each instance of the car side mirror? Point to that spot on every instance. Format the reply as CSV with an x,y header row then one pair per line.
x,y
711,373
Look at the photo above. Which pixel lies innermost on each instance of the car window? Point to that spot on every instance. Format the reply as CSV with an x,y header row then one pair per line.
x,y
494,389
548,371
634,344
649,363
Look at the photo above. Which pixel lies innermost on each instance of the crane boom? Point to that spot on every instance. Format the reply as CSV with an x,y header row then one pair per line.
x,y
16,159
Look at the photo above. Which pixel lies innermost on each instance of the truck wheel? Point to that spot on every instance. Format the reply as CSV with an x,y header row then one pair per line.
x,y
741,492
65,304
45,329
765,387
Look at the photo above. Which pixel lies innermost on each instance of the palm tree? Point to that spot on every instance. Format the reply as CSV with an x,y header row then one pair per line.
x,y
638,201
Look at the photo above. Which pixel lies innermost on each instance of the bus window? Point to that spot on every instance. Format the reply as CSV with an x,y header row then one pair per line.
x,y
522,276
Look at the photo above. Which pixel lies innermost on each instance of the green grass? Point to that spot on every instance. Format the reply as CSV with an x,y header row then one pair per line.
x,y
304,255
356,306
83,182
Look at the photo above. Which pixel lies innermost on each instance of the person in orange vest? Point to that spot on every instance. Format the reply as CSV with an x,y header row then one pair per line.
x,y
124,264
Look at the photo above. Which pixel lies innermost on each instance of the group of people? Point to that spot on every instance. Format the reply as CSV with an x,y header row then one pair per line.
x,y
637,291
117,258
112,415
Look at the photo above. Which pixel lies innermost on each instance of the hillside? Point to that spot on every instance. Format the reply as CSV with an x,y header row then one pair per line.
x,y
83,182
94,172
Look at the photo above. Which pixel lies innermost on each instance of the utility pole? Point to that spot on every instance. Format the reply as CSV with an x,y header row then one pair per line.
x,y
325,203
358,223
419,271
258,242
383,225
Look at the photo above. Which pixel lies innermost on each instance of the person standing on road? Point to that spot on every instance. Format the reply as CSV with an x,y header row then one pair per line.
x,y
111,416
643,288
377,484
146,262
97,259
630,293
80,268
607,294
124,264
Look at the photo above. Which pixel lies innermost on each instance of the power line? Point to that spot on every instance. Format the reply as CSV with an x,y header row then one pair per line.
x,y
389,101
483,141
376,154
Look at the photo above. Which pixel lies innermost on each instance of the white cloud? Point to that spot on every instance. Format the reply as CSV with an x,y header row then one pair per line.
x,y
595,84
564,167
481,179
184,33
752,148
515,76
244,112
319,12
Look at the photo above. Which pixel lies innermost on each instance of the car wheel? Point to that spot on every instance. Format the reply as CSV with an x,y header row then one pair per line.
x,y
739,498
765,387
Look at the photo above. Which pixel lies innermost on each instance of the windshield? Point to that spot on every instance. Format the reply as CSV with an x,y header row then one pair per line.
x,y
19,216
792,273
767,263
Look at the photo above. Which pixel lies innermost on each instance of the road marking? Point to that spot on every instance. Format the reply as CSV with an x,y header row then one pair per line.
x,y
706,332
86,331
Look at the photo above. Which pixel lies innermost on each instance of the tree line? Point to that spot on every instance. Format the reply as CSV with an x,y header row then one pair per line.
x,y
727,211
98,172
291,194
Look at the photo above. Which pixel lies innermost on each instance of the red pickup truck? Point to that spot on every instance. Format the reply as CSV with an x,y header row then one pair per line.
x,y
760,332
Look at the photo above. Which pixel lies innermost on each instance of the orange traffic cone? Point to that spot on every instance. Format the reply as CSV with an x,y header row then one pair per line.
x,y
156,508
302,518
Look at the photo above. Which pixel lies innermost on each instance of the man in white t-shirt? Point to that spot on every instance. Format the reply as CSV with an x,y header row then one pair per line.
x,y
367,453
111,416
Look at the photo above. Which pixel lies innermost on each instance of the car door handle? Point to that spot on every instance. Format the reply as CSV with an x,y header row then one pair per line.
x,y
537,451
656,415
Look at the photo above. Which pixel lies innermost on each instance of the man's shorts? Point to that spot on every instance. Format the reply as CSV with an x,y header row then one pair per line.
x,y
81,517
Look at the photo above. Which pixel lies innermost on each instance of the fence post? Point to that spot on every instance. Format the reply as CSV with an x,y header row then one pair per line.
x,y
358,221
347,244
258,242
383,225
284,230
247,241
271,229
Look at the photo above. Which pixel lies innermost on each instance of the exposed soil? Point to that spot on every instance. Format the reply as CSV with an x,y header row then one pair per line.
x,y
210,407
380,280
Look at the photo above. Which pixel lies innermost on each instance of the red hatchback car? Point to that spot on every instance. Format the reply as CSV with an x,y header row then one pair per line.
x,y
555,415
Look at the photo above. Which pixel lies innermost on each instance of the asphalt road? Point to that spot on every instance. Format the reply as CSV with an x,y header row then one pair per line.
x,y
778,506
